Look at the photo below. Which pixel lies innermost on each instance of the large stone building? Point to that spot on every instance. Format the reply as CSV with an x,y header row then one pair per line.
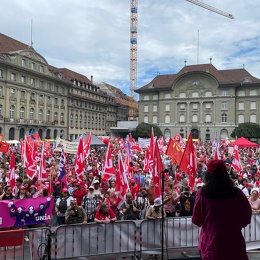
x,y
200,99
35,96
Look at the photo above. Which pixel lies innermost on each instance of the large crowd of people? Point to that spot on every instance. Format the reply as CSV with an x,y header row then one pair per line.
x,y
93,199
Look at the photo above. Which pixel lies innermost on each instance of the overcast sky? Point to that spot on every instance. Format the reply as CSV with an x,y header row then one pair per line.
x,y
93,37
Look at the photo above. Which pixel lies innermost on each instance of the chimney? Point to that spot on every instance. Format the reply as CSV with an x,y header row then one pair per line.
x,y
91,78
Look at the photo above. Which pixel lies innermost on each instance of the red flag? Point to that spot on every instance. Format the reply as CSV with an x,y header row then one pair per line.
x,y
79,161
21,147
28,158
174,151
131,139
12,173
136,147
35,136
108,170
42,171
158,168
188,162
151,154
86,146
236,161
127,165
4,147
122,185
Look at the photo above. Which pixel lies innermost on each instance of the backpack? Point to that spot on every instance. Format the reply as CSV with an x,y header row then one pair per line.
x,y
63,205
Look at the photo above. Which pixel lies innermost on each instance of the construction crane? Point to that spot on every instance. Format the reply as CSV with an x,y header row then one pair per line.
x,y
133,48
133,58
213,9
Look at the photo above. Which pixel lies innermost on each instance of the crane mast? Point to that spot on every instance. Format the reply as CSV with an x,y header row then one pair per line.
x,y
211,8
133,55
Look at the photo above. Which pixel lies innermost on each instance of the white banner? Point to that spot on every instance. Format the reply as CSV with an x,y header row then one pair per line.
x,y
69,147
143,142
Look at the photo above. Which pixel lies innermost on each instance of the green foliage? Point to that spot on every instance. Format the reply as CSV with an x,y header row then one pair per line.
x,y
144,130
247,130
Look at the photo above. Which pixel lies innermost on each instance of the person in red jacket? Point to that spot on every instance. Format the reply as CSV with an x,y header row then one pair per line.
x,y
222,210
79,193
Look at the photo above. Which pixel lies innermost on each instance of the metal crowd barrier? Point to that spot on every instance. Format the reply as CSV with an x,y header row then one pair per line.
x,y
123,238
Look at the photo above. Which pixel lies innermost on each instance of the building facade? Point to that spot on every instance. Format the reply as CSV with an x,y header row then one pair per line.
x,y
202,100
56,102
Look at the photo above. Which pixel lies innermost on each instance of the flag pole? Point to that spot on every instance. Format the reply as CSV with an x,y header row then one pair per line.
x,y
162,228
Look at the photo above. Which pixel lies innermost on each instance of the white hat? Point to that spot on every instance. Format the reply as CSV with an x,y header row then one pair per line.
x,y
157,202
200,184
255,189
96,181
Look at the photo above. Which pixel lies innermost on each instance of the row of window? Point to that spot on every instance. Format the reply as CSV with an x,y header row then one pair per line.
x,y
195,106
32,65
14,93
87,94
223,93
33,82
195,119
41,115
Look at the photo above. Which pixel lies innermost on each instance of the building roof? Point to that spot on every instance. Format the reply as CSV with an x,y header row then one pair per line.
x,y
70,75
231,76
8,44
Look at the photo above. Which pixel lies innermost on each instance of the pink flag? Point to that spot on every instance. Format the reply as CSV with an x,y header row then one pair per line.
x,y
122,185
127,165
158,168
42,172
108,170
151,154
86,146
12,173
79,161
236,161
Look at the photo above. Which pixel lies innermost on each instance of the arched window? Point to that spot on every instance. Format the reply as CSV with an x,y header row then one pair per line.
x,y
224,118
31,114
241,119
40,114
154,119
22,112
55,116
252,93
208,94
253,118
167,119
48,116
195,94
182,118
194,118
208,118
146,119
241,93
12,108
